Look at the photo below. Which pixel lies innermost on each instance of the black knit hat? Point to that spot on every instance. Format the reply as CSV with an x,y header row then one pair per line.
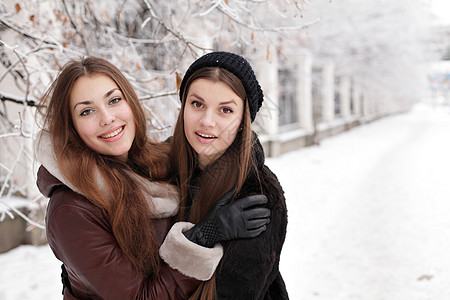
x,y
237,65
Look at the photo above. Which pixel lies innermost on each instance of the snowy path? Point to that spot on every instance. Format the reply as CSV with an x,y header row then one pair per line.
x,y
369,217
369,212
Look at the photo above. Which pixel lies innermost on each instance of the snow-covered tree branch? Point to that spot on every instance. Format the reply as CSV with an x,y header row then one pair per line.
x,y
152,42
381,45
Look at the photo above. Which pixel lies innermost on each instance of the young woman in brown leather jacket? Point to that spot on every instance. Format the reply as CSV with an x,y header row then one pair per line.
x,y
110,206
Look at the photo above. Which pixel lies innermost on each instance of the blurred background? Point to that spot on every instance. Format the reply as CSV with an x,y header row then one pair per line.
x,y
326,67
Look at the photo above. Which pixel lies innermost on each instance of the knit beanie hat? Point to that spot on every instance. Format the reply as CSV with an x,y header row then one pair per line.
x,y
237,65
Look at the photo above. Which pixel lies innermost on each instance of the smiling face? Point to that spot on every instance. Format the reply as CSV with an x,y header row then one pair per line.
x,y
212,116
101,116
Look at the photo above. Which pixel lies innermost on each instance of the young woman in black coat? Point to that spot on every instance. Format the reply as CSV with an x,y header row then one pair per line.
x,y
214,150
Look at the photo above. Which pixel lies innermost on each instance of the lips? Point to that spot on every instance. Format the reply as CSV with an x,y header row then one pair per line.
x,y
112,134
206,136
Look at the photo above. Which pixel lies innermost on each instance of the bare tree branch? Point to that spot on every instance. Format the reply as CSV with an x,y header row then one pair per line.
x,y
30,102
77,31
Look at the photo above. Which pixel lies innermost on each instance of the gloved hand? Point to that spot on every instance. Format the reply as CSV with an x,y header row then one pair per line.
x,y
244,218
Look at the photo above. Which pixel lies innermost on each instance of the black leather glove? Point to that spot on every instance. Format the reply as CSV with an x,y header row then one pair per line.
x,y
244,218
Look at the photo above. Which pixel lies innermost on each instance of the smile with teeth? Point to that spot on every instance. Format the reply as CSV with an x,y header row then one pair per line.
x,y
206,136
112,134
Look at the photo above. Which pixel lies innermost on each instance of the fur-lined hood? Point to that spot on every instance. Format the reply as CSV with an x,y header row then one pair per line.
x,y
164,197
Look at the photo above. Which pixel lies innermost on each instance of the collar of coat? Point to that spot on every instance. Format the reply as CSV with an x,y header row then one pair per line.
x,y
258,151
163,197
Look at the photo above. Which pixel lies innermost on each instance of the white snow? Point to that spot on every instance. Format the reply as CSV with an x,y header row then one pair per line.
x,y
369,217
30,272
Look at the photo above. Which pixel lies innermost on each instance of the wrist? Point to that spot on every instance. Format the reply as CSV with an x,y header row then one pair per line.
x,y
195,235
209,234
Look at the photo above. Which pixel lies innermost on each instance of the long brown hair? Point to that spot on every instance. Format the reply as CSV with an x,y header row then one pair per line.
x,y
128,211
227,172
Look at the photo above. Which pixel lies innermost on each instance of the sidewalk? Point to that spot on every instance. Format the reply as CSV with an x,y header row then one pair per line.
x,y
369,211
369,217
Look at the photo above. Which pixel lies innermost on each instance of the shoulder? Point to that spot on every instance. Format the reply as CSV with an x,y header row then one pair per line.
x,y
68,212
63,198
266,182
72,219
263,180
72,223
270,179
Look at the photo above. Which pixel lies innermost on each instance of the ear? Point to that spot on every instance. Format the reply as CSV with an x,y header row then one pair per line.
x,y
241,127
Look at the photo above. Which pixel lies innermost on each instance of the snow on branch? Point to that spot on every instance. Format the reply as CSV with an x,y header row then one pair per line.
x,y
6,97
151,42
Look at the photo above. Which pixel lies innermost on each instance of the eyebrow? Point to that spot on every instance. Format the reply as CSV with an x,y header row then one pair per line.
x,y
87,102
221,103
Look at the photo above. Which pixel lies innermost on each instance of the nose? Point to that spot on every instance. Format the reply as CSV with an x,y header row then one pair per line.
x,y
207,119
106,117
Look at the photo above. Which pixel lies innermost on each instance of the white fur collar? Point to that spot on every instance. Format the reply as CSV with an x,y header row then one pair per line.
x,y
163,197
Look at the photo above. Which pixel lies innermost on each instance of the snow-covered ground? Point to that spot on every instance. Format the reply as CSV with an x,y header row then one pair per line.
x,y
369,217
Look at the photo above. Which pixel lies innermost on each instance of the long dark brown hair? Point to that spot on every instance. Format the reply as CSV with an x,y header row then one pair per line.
x,y
227,172
128,211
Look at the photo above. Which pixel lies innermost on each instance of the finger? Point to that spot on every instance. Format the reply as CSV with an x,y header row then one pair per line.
x,y
255,224
255,232
226,197
257,213
250,201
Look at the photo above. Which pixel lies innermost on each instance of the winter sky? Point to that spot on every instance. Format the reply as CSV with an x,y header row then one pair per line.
x,y
442,10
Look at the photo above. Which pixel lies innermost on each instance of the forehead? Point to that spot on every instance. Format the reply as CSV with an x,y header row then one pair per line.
x,y
89,88
210,90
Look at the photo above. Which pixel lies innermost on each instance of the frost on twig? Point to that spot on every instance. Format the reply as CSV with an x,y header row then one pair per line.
x,y
149,41
379,44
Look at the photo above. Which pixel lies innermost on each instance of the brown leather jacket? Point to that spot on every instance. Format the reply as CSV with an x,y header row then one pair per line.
x,y
80,236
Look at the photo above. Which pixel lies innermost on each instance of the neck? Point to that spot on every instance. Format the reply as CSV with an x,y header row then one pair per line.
x,y
206,160
123,157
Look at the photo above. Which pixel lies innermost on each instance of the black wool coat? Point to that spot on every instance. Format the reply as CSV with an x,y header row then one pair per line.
x,y
250,267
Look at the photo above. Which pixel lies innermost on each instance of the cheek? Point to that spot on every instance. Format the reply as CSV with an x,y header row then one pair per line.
x,y
187,131
130,120
87,133
125,113
231,135
86,129
232,130
187,120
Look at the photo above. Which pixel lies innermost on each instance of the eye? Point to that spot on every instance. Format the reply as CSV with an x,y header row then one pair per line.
x,y
114,100
197,104
86,112
226,110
